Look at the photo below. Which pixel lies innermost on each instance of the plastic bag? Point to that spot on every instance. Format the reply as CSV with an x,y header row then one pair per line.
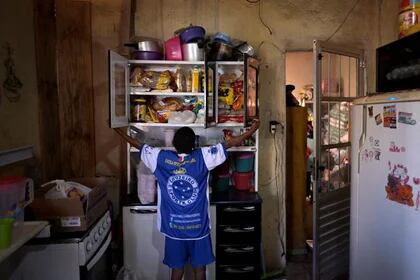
x,y
126,273
65,189
146,184
156,80
182,117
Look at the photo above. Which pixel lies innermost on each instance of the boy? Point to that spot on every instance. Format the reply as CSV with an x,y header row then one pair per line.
x,y
183,197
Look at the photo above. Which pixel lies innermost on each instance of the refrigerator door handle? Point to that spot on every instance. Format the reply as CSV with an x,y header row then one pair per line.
x,y
362,138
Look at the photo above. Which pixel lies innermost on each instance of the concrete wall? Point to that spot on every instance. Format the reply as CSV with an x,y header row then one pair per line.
x,y
294,25
19,118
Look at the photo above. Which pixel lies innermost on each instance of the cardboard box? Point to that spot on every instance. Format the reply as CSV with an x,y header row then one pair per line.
x,y
71,215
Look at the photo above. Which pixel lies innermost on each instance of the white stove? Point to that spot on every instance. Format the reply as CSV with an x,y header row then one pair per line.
x,y
96,236
71,256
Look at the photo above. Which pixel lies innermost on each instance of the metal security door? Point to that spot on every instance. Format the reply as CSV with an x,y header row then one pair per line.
x,y
339,76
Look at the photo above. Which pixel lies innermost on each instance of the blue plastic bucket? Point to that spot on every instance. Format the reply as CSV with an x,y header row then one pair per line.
x,y
244,162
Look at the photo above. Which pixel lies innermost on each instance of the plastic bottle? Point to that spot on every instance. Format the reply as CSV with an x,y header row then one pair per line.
x,y
180,80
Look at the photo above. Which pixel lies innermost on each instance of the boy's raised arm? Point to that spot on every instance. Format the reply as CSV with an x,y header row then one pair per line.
x,y
122,131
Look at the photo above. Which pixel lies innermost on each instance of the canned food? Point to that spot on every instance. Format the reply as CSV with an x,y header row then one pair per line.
x,y
138,110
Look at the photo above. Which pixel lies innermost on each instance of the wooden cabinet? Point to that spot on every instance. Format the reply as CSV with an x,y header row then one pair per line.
x,y
296,179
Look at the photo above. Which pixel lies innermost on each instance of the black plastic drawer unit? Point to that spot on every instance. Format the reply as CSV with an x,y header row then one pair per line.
x,y
238,241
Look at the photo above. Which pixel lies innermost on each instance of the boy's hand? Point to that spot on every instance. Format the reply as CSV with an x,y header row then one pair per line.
x,y
255,124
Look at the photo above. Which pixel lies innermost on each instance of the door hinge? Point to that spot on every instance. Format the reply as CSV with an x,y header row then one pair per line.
x,y
320,56
362,64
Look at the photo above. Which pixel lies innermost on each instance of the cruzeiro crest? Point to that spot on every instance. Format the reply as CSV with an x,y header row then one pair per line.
x,y
182,189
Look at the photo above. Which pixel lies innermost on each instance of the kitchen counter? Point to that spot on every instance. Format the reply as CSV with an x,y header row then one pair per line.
x,y
230,197
21,235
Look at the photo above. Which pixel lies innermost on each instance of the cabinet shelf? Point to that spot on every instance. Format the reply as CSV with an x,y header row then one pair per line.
x,y
167,124
230,124
166,62
233,149
161,93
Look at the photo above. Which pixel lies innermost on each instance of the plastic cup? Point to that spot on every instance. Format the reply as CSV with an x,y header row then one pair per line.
x,y
6,227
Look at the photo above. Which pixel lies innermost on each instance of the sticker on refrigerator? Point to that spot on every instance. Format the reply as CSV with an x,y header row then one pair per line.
x,y
390,116
373,152
416,181
370,110
378,119
393,148
406,118
397,188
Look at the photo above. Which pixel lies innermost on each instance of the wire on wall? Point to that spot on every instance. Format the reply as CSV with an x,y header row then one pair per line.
x,y
260,16
280,219
345,19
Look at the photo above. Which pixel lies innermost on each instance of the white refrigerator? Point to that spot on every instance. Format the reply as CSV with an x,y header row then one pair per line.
x,y
385,191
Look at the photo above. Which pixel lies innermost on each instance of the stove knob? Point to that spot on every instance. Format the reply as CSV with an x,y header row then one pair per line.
x,y
89,246
101,231
96,236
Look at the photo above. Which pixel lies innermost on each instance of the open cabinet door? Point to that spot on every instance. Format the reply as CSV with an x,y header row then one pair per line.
x,y
339,78
210,94
118,90
251,90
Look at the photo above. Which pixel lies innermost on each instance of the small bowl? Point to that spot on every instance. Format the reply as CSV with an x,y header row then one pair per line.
x,y
142,55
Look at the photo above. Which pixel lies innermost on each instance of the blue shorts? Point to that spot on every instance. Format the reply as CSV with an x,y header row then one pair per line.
x,y
180,252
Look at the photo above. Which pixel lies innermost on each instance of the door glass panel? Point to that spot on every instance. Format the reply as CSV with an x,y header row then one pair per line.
x,y
325,74
120,101
325,123
251,102
210,94
344,122
353,76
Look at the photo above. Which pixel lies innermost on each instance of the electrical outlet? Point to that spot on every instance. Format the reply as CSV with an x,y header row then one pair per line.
x,y
273,126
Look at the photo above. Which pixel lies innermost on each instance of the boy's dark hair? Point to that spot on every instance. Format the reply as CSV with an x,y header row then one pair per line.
x,y
184,140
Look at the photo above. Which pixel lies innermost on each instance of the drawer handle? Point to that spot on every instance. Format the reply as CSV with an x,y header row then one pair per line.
x,y
139,211
245,229
239,209
245,269
231,250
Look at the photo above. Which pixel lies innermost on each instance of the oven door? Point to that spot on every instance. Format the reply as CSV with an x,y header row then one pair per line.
x,y
100,265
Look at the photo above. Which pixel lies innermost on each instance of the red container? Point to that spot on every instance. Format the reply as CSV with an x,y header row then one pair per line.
x,y
173,49
243,181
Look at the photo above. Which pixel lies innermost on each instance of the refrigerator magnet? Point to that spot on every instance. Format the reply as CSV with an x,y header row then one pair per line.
x,y
406,118
378,119
390,116
370,110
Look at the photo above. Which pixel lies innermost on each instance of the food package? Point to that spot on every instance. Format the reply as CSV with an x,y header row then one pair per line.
x,y
65,189
168,103
135,77
163,116
238,103
226,80
226,95
156,80
184,117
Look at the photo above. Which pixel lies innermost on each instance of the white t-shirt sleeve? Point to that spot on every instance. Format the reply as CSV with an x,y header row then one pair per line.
x,y
214,155
149,156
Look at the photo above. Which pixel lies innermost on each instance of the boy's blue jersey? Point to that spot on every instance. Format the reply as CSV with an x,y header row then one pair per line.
x,y
183,196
